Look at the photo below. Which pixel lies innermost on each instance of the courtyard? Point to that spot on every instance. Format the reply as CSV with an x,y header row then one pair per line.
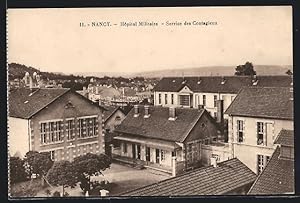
x,y
121,177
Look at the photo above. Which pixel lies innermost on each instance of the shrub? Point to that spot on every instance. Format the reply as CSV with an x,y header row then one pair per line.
x,y
17,170
56,194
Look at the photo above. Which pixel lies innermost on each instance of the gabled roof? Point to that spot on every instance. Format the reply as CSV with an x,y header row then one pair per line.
x,y
277,177
110,111
226,177
158,126
213,84
265,102
285,137
24,103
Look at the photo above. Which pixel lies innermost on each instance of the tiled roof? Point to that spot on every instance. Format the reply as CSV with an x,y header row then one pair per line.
x,y
158,125
24,104
276,178
110,110
212,84
266,102
285,137
226,177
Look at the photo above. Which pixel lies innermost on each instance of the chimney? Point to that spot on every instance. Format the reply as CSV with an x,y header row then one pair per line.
x,y
254,80
172,114
223,80
147,114
220,115
173,166
213,162
30,83
136,110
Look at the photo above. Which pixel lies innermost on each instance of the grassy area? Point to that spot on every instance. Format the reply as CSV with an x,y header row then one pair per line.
x,y
27,188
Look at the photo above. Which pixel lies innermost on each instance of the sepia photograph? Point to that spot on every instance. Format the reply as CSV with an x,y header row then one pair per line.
x,y
150,102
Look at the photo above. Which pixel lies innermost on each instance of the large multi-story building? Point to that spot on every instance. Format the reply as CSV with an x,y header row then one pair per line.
x,y
55,120
191,92
256,116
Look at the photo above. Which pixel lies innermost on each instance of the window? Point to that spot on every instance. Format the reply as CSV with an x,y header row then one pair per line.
x,y
215,100
43,133
216,156
261,162
159,98
260,133
166,99
215,115
206,141
70,129
118,118
162,155
240,130
172,98
125,148
184,100
51,132
87,127
204,100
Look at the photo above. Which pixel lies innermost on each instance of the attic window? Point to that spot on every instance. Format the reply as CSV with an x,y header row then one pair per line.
x,y
199,82
223,82
174,81
25,102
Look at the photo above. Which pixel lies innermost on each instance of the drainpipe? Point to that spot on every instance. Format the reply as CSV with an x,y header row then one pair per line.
x,y
173,166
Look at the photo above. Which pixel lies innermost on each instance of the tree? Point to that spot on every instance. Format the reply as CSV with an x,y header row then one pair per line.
x,y
17,170
289,72
38,163
62,173
246,69
90,165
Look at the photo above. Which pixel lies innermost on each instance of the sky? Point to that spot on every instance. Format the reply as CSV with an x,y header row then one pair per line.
x,y
52,39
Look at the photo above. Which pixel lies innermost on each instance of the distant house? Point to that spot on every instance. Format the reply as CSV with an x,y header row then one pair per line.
x,y
190,92
256,116
111,118
154,136
230,177
55,120
278,177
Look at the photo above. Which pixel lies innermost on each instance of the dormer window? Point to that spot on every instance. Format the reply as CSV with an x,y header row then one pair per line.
x,y
199,82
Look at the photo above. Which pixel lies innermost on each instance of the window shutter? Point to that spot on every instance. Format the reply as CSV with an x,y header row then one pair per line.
x,y
265,134
244,132
256,130
236,126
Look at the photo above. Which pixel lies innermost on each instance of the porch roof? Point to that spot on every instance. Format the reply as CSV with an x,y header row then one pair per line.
x,y
150,142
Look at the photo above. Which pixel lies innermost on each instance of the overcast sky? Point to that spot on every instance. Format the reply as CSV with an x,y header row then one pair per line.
x,y
52,40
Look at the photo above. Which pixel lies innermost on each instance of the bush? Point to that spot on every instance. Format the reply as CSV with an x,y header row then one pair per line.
x,y
17,170
56,194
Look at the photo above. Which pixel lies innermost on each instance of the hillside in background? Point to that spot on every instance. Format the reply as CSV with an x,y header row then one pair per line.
x,y
201,71
18,71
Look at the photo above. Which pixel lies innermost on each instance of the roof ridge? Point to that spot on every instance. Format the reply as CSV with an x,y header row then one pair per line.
x,y
183,174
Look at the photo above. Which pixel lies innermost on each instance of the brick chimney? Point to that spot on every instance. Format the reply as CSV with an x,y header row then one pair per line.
x,y
172,114
136,110
147,113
